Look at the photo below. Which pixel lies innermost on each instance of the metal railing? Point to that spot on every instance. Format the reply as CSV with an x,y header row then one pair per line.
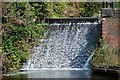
x,y
110,4
107,4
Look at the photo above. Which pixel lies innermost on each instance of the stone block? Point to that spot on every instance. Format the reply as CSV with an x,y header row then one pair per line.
x,y
107,12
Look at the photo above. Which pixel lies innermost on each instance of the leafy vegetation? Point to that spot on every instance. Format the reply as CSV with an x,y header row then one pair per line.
x,y
20,32
105,56
117,4
72,9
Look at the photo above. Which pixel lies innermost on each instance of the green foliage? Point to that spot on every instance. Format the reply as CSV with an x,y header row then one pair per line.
x,y
20,31
55,9
39,8
117,4
105,56
72,9
90,9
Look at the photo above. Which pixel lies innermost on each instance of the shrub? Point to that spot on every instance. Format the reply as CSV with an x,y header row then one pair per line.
x,y
105,56
20,31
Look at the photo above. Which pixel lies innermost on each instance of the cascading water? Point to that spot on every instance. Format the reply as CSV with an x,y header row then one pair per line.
x,y
67,46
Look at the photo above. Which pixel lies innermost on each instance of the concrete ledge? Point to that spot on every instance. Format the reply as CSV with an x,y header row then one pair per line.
x,y
74,19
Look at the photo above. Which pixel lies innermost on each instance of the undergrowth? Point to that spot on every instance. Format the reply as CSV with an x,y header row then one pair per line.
x,y
20,31
105,56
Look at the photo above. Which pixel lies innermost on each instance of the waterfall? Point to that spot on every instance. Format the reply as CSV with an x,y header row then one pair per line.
x,y
66,46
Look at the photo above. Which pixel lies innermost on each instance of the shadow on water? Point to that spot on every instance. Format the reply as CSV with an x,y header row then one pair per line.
x,y
104,76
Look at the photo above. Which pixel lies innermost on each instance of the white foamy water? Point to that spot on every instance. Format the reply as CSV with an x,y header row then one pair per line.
x,y
66,47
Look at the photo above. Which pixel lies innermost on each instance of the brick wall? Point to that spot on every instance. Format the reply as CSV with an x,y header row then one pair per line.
x,y
111,27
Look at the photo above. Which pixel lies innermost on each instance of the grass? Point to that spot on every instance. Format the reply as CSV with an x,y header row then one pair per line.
x,y
105,56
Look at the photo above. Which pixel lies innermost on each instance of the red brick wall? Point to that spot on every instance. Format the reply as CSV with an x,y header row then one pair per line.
x,y
111,30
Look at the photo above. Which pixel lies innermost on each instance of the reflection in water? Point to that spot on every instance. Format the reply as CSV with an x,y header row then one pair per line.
x,y
59,75
53,74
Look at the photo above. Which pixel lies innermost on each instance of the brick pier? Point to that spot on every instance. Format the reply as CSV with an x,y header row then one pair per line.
x,y
111,26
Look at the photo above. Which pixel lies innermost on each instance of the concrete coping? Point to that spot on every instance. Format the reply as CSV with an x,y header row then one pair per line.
x,y
107,12
112,8
110,12
116,8
72,19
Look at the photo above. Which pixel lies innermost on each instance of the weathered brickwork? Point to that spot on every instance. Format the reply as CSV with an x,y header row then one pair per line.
x,y
111,29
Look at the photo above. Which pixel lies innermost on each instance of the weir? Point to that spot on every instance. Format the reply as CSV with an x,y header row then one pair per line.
x,y
67,46
73,20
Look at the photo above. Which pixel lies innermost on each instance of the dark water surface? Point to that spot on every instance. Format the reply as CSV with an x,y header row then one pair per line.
x,y
58,75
